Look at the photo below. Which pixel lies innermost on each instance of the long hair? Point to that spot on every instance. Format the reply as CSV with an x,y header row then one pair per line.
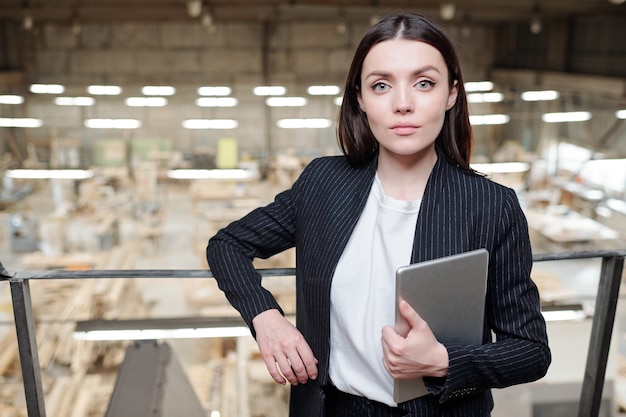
x,y
353,132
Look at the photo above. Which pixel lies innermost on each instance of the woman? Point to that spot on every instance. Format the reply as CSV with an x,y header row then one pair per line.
x,y
403,192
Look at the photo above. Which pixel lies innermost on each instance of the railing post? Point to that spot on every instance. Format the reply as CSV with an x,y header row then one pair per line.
x,y
601,331
27,345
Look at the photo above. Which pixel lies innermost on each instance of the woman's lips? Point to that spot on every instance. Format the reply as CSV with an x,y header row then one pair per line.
x,y
404,129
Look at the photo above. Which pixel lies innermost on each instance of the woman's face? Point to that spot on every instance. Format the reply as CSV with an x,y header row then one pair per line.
x,y
405,94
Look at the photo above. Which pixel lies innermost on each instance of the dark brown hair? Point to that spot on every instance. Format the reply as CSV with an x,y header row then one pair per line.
x,y
353,133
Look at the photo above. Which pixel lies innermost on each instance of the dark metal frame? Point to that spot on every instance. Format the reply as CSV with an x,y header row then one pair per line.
x,y
597,356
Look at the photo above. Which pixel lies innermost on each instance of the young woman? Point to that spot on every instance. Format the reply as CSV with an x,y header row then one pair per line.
x,y
403,192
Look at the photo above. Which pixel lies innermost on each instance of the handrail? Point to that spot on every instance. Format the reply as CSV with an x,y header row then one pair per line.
x,y
597,355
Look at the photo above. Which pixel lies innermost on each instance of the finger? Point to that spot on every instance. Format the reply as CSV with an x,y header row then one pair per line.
x,y
389,333
390,339
284,366
309,361
275,373
393,364
409,314
299,369
392,344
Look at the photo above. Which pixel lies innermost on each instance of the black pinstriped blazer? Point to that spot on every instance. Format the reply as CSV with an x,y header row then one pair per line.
x,y
459,212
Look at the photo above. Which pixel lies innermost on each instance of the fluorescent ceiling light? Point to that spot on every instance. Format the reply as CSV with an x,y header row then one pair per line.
x,y
269,90
286,101
485,97
47,89
74,101
217,102
474,86
213,174
544,95
11,99
113,123
210,124
304,123
489,119
323,90
501,167
73,174
104,90
146,101
158,90
156,329
574,116
338,101
214,91
620,114
20,122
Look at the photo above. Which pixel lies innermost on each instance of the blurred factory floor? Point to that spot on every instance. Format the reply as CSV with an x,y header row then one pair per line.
x,y
181,243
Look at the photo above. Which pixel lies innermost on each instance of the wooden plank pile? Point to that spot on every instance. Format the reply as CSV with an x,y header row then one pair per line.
x,y
77,376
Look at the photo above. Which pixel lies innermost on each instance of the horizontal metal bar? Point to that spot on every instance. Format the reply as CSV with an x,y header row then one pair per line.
x,y
579,255
193,322
133,273
269,272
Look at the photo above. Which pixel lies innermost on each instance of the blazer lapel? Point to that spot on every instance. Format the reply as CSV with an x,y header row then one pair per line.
x,y
424,247
346,214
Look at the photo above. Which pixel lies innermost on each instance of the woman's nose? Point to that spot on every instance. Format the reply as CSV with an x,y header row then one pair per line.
x,y
403,103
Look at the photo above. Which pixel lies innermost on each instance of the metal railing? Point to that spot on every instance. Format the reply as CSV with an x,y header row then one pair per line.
x,y
597,355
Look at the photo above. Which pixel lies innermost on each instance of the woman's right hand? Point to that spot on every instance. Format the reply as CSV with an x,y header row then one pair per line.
x,y
286,353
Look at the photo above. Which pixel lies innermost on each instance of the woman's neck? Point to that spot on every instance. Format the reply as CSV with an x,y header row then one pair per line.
x,y
405,177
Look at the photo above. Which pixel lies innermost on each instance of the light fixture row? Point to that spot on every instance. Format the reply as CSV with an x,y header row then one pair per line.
x,y
273,101
263,90
155,96
293,123
217,96
166,90
162,101
127,124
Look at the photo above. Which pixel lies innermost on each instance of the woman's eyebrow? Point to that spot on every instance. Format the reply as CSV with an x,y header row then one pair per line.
x,y
426,68
418,71
378,74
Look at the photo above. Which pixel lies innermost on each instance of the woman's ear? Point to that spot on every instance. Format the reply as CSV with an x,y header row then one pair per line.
x,y
454,92
359,98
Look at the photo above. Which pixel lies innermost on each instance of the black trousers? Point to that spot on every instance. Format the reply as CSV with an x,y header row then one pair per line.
x,y
340,404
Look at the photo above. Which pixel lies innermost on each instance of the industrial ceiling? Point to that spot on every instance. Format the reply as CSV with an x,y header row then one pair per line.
x,y
475,11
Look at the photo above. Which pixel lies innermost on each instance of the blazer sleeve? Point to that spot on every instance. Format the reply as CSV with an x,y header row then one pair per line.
x,y
520,352
262,233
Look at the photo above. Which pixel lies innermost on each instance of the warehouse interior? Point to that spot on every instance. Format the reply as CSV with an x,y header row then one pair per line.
x,y
131,131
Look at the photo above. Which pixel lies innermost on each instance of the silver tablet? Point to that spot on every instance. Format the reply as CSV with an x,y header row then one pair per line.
x,y
449,294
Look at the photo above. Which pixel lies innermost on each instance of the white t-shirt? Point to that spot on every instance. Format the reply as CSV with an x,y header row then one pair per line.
x,y
363,294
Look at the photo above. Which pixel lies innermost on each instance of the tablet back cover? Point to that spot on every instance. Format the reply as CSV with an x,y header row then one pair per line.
x,y
449,294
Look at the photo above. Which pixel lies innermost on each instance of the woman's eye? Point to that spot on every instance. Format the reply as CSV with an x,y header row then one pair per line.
x,y
425,84
380,87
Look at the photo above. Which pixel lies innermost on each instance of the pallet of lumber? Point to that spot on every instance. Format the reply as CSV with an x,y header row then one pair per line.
x,y
77,375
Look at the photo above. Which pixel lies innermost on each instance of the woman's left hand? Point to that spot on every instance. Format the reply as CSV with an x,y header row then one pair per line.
x,y
418,354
